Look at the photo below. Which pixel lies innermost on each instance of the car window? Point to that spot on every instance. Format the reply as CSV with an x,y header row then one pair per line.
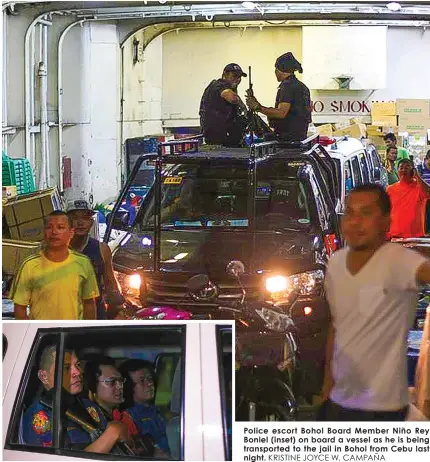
x,y
356,175
370,162
376,159
4,345
348,177
225,364
321,205
216,196
166,365
132,374
364,167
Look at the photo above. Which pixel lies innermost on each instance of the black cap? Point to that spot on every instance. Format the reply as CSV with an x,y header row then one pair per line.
x,y
287,63
233,67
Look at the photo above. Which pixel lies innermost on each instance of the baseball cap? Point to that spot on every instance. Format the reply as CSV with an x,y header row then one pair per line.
x,y
233,67
79,204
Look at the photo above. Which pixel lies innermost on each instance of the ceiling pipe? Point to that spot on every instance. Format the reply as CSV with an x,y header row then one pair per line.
x,y
60,99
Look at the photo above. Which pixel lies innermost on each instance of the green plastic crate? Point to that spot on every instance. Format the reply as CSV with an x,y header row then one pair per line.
x,y
23,176
8,171
18,172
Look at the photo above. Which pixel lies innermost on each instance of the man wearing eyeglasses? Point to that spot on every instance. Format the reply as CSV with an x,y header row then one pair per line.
x,y
106,393
37,420
139,397
105,385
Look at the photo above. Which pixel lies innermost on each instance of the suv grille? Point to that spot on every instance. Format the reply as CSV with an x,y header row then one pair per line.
x,y
176,293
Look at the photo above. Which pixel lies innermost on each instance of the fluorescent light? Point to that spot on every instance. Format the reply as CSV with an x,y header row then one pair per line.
x,y
252,6
249,5
394,6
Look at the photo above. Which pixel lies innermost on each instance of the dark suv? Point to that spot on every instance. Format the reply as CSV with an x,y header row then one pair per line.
x,y
272,207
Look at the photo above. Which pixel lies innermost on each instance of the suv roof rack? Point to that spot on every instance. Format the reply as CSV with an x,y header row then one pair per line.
x,y
194,142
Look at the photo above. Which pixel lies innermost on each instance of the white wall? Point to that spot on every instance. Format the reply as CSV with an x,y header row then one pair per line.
x,y
408,66
91,102
334,51
192,58
143,88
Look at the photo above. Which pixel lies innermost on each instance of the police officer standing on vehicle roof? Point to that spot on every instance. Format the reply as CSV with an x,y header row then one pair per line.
x,y
220,109
291,115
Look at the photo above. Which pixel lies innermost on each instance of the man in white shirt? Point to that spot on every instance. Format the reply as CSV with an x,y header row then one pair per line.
x,y
372,288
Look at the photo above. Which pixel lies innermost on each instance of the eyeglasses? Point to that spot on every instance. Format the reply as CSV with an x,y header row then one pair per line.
x,y
113,381
144,380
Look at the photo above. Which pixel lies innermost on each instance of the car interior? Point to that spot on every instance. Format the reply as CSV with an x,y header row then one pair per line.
x,y
163,347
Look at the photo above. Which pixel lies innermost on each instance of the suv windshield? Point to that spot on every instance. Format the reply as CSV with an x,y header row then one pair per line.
x,y
217,196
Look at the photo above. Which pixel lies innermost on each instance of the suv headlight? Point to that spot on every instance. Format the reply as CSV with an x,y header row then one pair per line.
x,y
302,283
130,286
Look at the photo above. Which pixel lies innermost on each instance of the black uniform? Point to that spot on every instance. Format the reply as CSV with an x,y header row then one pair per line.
x,y
219,119
294,127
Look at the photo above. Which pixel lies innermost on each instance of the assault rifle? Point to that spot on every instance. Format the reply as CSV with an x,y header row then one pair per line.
x,y
256,125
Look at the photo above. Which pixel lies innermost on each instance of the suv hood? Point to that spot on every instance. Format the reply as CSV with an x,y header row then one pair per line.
x,y
209,251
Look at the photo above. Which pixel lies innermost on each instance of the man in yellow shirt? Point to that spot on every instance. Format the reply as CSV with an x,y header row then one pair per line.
x,y
57,283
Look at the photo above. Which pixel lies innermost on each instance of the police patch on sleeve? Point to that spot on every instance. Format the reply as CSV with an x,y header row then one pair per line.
x,y
41,423
94,414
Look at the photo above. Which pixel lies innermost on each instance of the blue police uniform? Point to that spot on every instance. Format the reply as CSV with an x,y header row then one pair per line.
x,y
37,428
148,419
96,413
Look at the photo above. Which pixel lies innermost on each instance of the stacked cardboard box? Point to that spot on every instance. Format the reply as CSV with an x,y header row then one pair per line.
x,y
24,214
15,252
414,116
325,130
384,114
354,131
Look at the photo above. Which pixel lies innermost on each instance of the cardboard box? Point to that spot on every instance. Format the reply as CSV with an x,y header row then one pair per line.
x,y
379,143
325,130
385,121
24,214
383,109
15,252
414,125
377,130
357,120
354,131
413,107
8,192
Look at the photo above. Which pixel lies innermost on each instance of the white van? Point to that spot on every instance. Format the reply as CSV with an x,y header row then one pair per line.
x,y
356,164
193,373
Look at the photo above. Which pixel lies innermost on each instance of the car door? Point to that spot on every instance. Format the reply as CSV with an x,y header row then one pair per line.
x,y
365,168
357,178
201,426
326,213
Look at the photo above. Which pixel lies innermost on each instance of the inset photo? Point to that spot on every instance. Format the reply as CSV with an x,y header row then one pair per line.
x,y
117,391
